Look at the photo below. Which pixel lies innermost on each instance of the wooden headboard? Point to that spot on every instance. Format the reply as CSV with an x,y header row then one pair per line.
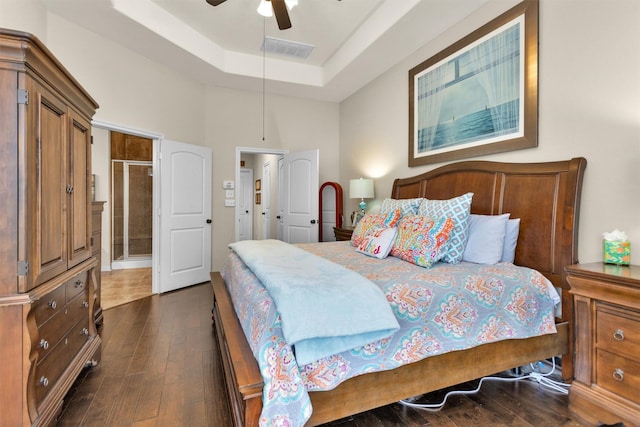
x,y
545,196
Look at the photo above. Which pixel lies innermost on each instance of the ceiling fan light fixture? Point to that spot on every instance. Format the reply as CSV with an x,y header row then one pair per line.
x,y
291,3
265,9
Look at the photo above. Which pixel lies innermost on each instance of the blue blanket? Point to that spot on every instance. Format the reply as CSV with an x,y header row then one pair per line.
x,y
325,308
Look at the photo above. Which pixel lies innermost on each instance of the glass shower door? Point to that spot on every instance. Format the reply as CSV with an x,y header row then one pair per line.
x,y
132,210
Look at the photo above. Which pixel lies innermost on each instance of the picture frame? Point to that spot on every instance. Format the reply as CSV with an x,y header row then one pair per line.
x,y
356,217
258,184
258,199
479,96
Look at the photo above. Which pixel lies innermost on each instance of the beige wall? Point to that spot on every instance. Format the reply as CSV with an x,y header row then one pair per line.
x,y
589,105
134,92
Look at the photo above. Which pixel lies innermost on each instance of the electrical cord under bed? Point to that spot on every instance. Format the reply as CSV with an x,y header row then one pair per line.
x,y
539,377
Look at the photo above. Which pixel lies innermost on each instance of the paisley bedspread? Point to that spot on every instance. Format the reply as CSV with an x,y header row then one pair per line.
x,y
441,309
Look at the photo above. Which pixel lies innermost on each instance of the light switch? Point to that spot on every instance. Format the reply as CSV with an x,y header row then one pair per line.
x,y
227,185
229,202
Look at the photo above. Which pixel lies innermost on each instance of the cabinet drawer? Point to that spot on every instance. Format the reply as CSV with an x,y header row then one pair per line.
x,y
618,374
49,305
60,357
59,325
76,285
618,330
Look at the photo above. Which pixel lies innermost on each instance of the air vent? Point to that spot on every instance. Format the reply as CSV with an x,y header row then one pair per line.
x,y
286,47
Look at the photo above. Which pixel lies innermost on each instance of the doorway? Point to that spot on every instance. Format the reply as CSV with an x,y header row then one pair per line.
x,y
131,201
256,194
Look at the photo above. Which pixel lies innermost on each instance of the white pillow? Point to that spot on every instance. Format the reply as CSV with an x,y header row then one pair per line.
x,y
511,240
378,242
486,238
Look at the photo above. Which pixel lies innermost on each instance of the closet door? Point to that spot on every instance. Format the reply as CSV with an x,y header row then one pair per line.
x,y
79,189
45,234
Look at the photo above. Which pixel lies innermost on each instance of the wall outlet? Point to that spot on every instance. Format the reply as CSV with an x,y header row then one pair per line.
x,y
229,194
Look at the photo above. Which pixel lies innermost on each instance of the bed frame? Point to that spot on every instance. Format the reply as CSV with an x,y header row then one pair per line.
x,y
545,196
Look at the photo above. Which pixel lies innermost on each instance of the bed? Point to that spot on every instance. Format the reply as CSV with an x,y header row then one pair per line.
x,y
546,198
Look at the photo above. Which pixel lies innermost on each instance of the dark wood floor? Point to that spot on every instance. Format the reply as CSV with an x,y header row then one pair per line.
x,y
160,367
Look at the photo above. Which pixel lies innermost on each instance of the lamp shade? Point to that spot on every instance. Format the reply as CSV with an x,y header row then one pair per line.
x,y
361,188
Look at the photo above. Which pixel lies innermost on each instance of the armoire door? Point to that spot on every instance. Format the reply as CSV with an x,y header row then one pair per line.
x,y
80,189
44,237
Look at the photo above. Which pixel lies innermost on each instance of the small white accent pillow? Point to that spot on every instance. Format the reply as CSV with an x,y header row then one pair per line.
x,y
486,238
378,242
511,240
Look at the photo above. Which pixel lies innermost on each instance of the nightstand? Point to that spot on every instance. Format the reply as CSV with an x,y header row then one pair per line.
x,y
343,233
607,335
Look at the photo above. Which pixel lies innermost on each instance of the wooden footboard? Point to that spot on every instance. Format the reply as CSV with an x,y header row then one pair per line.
x,y
241,373
244,383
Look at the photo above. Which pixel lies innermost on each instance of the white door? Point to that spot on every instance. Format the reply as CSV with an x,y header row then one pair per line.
x,y
300,198
280,216
185,215
266,200
245,205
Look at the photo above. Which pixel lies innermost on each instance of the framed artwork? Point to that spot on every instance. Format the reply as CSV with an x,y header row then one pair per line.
x,y
258,184
480,95
258,199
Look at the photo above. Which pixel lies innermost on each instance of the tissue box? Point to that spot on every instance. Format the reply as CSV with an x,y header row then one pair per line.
x,y
617,252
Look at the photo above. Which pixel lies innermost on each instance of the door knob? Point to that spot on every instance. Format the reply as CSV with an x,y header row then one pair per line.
x,y
246,211
313,221
208,221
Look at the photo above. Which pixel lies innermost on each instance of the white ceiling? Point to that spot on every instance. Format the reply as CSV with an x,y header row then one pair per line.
x,y
354,40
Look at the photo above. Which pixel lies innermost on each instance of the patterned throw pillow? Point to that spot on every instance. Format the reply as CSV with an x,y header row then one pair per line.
x,y
457,209
406,206
422,240
386,220
378,242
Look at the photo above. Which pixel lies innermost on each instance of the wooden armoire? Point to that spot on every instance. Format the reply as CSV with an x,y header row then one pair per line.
x,y
47,271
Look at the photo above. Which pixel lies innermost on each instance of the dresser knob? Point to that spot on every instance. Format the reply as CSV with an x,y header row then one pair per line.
x,y
44,344
79,283
85,304
618,374
618,335
44,381
85,331
53,304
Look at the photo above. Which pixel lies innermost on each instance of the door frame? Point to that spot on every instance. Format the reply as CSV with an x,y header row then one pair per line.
x,y
239,152
156,138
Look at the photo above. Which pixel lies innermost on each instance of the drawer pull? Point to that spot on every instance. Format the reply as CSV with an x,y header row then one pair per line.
x,y
618,374
618,335
85,331
53,305
79,283
85,304
44,344
44,381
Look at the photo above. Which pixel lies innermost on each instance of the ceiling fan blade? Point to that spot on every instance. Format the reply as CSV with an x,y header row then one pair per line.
x,y
282,15
215,2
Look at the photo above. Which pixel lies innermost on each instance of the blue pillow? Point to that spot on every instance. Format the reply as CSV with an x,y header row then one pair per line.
x,y
511,240
485,244
457,209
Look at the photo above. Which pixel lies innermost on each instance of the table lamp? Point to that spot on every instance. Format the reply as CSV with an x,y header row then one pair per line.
x,y
361,189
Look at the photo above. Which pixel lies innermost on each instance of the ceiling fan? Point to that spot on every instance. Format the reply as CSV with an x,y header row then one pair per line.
x,y
279,9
